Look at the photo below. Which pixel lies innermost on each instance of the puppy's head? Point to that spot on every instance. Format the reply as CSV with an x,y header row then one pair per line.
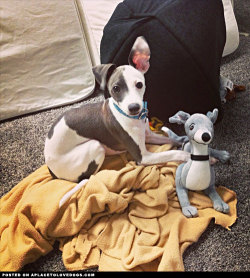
x,y
126,84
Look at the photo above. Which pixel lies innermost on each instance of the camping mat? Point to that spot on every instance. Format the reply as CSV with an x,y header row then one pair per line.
x,y
127,217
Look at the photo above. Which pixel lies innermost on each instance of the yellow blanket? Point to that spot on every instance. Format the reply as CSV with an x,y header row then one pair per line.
x,y
127,218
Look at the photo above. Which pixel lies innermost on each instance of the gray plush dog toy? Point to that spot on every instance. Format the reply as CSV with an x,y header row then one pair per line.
x,y
197,173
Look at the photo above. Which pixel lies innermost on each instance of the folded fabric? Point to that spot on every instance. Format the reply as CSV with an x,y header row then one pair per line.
x,y
126,218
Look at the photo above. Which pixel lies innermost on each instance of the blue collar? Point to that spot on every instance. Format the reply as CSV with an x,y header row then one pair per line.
x,y
143,114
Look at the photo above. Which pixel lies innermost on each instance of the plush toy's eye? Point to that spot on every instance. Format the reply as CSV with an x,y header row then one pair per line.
x,y
191,127
139,85
116,89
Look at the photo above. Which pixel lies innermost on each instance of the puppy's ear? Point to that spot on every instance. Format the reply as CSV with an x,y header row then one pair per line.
x,y
139,55
213,115
102,74
179,118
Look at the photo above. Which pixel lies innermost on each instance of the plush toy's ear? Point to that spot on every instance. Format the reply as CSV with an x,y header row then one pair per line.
x,y
179,118
139,55
213,115
102,74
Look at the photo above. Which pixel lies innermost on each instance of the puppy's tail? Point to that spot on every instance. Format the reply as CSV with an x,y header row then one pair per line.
x,y
67,196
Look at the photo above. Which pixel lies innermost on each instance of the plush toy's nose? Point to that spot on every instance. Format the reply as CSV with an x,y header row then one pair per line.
x,y
205,137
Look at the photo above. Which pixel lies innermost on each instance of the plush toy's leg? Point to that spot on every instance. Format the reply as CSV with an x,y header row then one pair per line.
x,y
182,193
218,203
222,156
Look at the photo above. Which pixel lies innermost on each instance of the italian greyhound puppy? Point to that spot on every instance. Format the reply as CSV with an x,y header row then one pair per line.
x,y
78,141
197,173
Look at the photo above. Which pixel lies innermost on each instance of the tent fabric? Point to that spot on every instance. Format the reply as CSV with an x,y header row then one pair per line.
x,y
44,56
186,38
232,41
98,13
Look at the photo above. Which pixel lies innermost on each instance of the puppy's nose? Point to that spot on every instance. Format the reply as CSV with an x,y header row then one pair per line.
x,y
205,137
134,108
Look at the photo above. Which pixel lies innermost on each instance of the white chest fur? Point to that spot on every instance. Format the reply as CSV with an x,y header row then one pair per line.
x,y
199,174
135,128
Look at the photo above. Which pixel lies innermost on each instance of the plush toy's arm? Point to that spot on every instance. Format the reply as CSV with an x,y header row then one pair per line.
x,y
222,156
174,136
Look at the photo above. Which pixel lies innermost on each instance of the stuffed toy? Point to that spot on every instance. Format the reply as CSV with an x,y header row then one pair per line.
x,y
198,173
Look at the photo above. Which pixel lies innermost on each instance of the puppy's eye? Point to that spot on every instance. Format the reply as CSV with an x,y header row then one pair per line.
x,y
191,127
139,85
116,89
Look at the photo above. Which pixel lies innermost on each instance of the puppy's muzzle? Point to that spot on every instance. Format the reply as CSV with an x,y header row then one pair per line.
x,y
134,108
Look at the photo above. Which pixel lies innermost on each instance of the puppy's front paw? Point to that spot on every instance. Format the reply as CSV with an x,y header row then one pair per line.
x,y
224,156
190,211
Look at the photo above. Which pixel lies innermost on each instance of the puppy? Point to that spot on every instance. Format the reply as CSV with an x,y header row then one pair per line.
x,y
78,141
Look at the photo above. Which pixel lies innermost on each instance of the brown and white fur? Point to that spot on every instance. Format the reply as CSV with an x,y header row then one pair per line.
x,y
78,141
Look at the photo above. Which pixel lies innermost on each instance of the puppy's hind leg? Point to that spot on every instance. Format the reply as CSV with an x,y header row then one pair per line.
x,y
93,156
